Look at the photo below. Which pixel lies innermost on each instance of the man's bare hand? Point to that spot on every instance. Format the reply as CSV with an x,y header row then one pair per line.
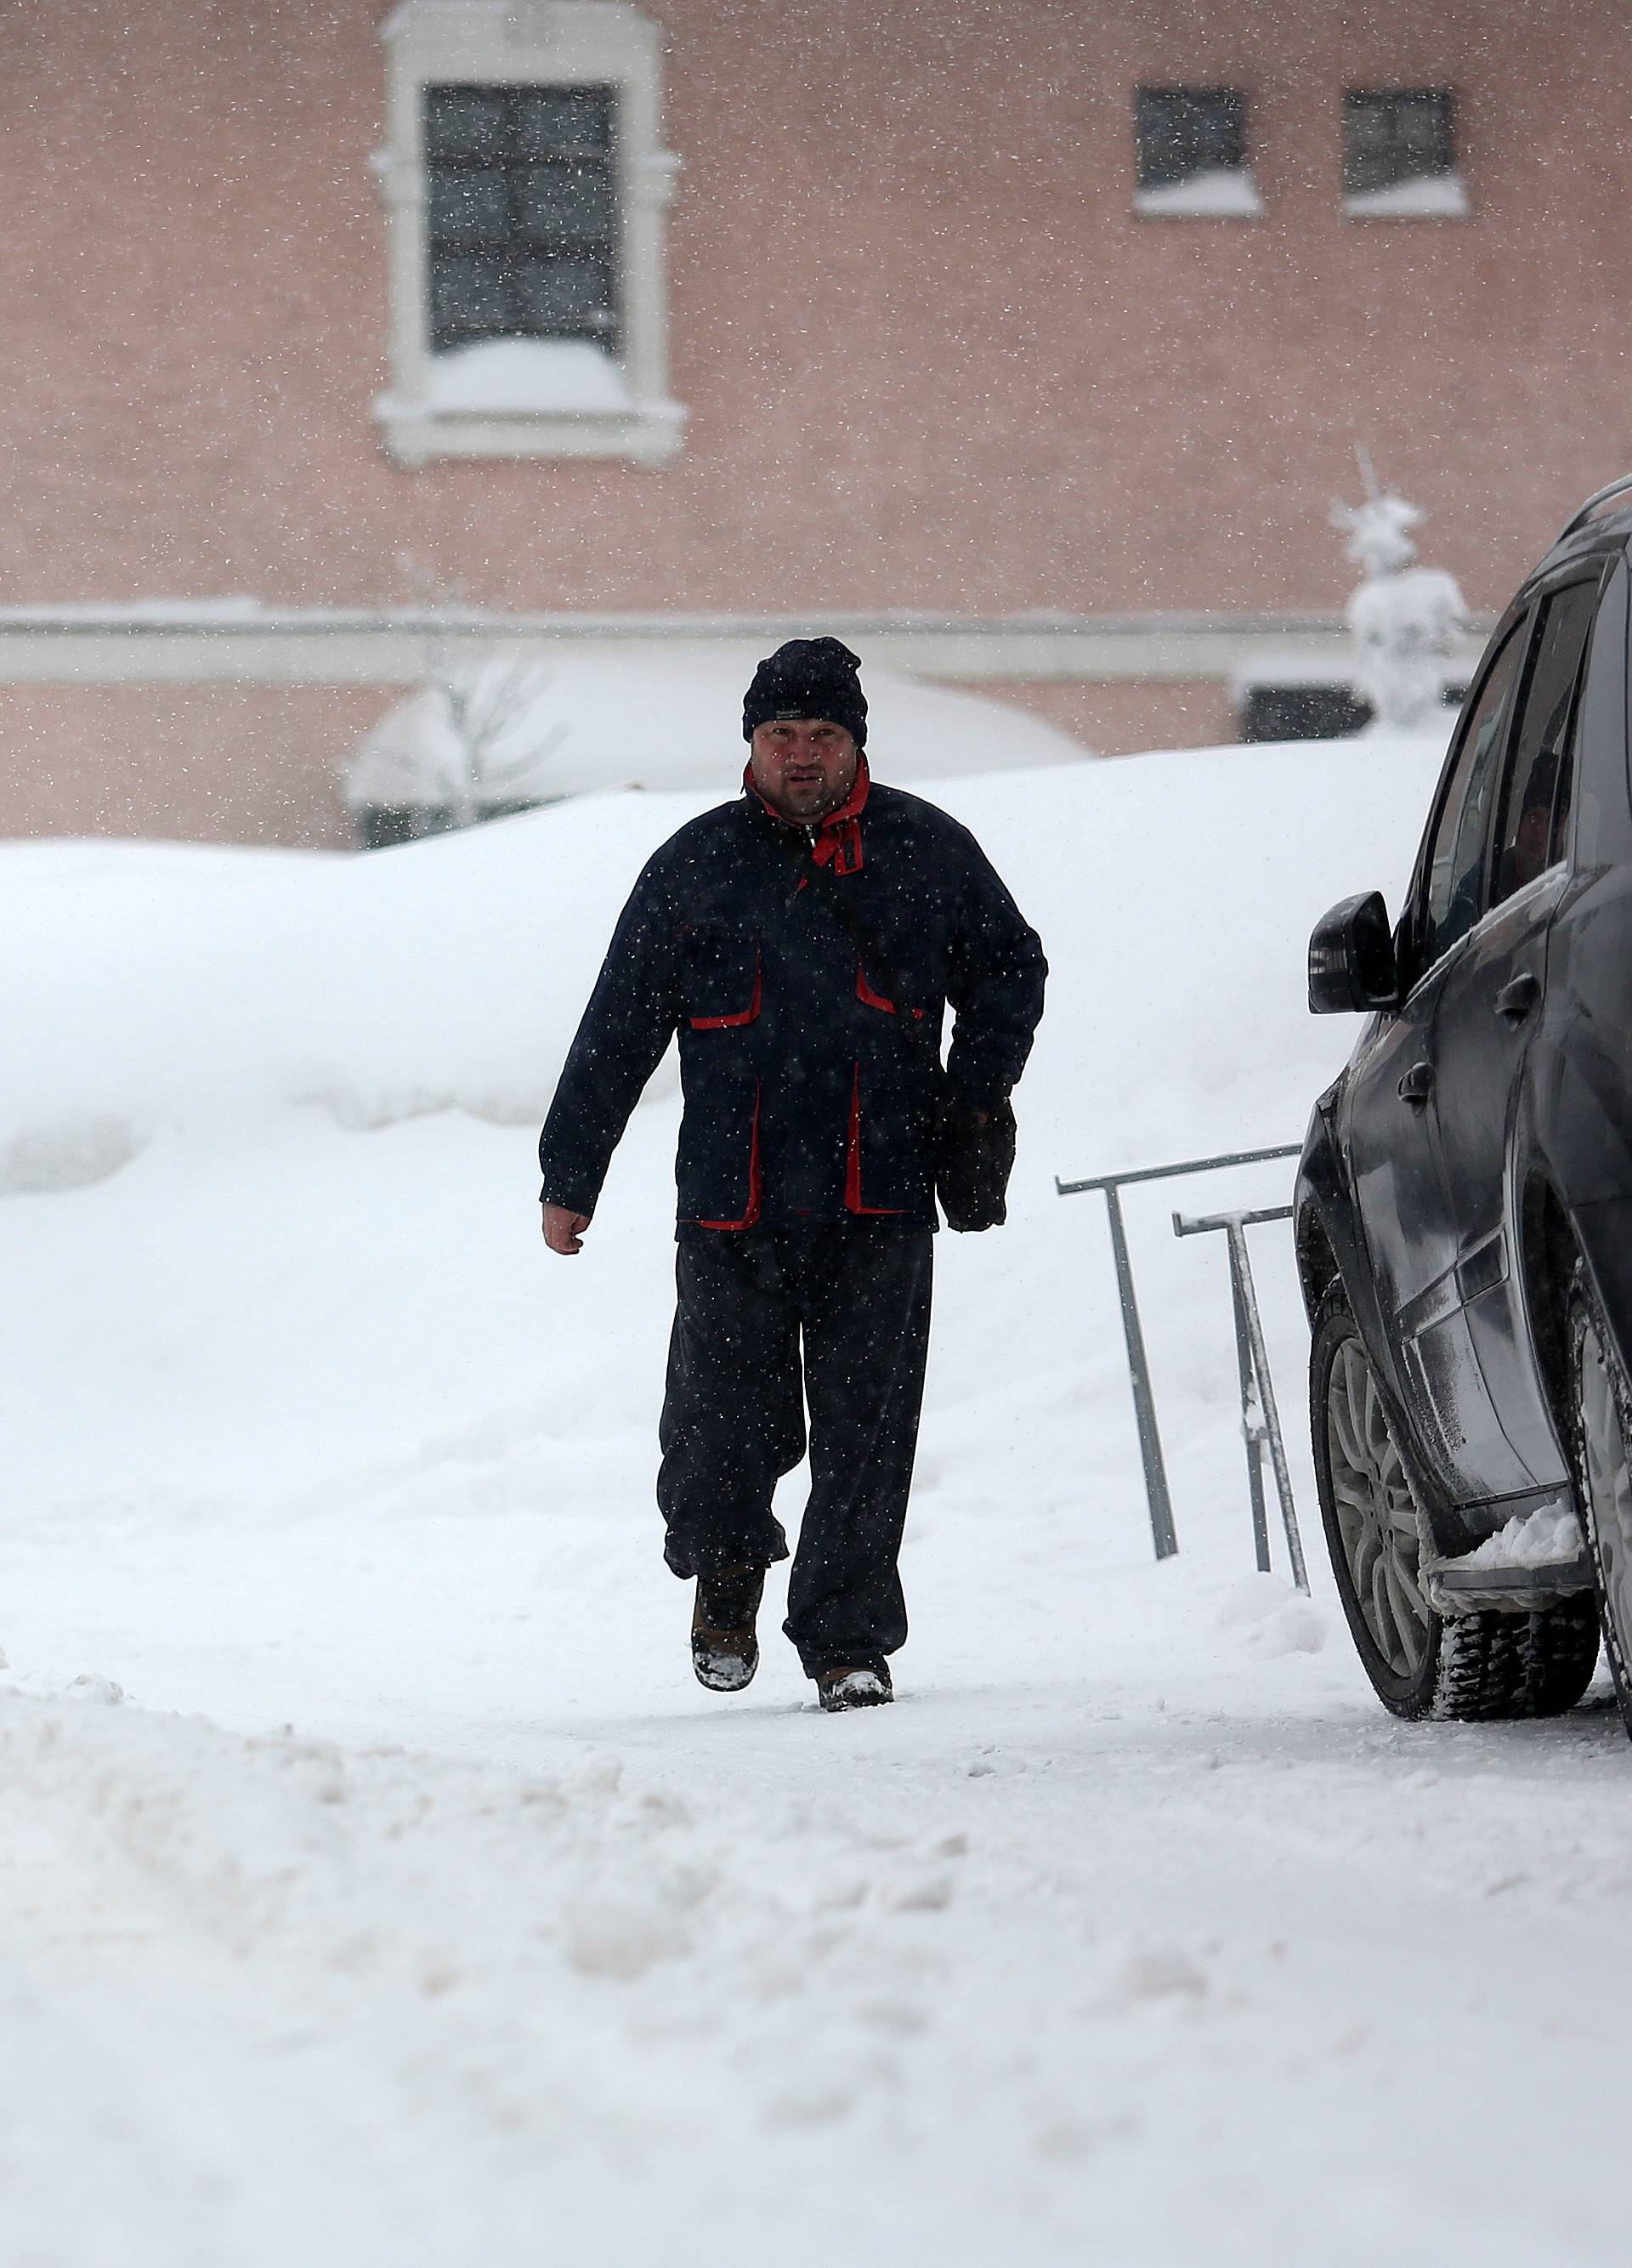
x,y
564,1229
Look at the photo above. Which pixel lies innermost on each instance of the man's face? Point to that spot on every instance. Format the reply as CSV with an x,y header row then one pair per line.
x,y
803,767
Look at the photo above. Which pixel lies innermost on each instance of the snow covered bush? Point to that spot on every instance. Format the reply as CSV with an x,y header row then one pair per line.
x,y
475,744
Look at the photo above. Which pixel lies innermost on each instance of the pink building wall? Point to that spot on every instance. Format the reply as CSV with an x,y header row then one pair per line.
x,y
932,358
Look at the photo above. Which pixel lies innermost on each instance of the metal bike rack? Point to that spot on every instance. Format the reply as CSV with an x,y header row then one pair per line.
x,y
1261,1421
1163,1534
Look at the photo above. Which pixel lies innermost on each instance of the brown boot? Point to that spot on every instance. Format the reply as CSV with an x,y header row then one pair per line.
x,y
853,1689
725,1650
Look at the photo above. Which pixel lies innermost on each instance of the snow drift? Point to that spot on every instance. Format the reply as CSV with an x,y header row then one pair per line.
x,y
149,989
254,1068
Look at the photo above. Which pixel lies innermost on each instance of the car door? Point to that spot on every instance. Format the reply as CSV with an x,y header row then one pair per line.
x,y
1489,1005
1389,1131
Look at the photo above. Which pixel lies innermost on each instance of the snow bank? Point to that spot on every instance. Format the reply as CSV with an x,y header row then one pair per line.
x,y
170,989
373,990
273,1114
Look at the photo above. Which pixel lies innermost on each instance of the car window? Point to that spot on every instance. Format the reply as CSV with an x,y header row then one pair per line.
x,y
1454,895
1560,838
1537,784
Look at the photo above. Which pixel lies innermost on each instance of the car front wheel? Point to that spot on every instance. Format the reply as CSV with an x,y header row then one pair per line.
x,y
1465,1667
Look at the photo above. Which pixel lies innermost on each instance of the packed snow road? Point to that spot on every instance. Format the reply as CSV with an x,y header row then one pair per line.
x,y
376,1886
1217,1965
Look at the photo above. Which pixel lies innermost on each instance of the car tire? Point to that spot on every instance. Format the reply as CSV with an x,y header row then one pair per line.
x,y
1599,1421
1462,1669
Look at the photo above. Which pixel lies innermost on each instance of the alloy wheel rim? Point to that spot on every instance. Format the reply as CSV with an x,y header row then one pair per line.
x,y
1376,1513
1609,1485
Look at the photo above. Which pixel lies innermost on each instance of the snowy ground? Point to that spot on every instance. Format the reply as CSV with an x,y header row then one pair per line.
x,y
413,1907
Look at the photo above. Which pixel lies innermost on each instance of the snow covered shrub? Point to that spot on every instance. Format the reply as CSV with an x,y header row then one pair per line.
x,y
475,744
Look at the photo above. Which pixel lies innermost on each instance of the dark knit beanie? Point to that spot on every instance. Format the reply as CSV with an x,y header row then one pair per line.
x,y
808,677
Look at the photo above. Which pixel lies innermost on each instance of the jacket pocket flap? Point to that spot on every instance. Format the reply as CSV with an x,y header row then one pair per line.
x,y
720,977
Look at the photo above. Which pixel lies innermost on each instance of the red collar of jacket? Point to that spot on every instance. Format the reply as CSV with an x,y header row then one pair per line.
x,y
839,837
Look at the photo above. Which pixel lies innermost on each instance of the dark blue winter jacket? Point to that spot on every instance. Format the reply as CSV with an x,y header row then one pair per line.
x,y
802,1099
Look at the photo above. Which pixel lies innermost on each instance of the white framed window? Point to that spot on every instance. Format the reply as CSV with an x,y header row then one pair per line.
x,y
525,184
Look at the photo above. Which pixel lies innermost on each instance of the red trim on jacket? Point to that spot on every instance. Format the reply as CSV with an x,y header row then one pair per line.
x,y
755,1193
839,837
746,1016
852,1161
872,999
865,993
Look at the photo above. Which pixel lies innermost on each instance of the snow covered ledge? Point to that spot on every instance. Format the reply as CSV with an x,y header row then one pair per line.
x,y
528,398
1428,197
1219,193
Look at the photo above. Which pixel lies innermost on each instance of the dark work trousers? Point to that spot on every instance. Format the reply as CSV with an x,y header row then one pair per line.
x,y
857,1294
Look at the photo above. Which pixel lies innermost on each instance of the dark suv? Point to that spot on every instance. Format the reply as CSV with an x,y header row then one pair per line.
x,y
1464,1202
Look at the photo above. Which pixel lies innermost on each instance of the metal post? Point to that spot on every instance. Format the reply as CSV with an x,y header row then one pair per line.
x,y
1261,1424
1186,1165
1163,1535
1252,1419
1236,1230
1161,1503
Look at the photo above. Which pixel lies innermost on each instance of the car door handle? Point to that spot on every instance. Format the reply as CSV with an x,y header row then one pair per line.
x,y
1417,1085
1514,1001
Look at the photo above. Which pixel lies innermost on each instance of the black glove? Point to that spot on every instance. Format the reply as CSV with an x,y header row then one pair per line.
x,y
974,1157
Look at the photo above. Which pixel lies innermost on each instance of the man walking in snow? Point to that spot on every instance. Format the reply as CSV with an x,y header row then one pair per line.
x,y
804,941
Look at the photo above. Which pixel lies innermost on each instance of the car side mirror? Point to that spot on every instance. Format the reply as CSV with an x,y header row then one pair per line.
x,y
1352,966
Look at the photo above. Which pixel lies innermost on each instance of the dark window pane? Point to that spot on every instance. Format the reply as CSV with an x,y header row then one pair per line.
x,y
1464,901
1543,749
470,299
1182,131
522,213
568,201
1559,842
1302,712
1421,125
1393,134
1456,860
465,201
567,297
564,122
465,122
381,826
1368,123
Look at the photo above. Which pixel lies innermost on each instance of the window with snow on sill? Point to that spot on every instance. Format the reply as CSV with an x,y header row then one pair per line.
x,y
522,378
1426,197
1219,193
